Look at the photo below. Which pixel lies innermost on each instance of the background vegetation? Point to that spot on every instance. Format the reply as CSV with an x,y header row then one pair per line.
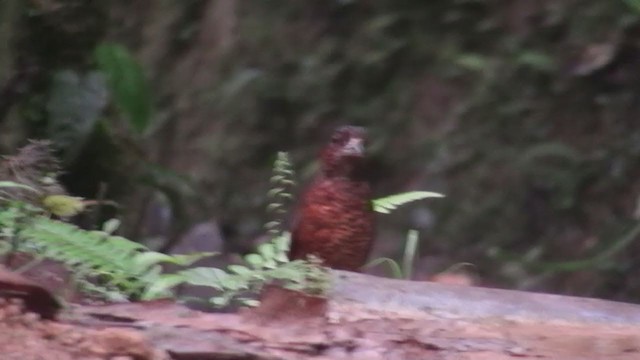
x,y
524,113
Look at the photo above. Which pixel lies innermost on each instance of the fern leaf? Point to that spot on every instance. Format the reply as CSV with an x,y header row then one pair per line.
x,y
280,193
239,269
386,204
161,286
254,260
89,253
204,276
149,258
282,244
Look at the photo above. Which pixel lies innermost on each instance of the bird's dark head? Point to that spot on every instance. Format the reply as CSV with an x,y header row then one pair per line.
x,y
344,155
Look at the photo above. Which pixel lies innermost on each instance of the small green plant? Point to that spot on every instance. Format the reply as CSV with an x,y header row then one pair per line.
x,y
241,282
384,206
103,264
117,268
268,264
408,258
280,194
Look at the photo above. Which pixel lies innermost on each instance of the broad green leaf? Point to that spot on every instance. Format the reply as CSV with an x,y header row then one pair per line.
x,y
239,269
254,260
270,263
127,84
161,286
231,283
148,258
282,245
204,276
267,250
286,272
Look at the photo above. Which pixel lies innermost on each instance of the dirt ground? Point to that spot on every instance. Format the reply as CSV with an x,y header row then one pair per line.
x,y
24,336
159,331
454,322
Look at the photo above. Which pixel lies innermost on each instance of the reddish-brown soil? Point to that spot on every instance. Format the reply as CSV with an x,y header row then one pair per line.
x,y
363,318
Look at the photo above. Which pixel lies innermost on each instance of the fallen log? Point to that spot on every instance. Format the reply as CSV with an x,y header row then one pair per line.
x,y
367,317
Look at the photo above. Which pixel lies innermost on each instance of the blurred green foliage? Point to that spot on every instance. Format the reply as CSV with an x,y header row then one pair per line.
x,y
634,4
127,84
523,112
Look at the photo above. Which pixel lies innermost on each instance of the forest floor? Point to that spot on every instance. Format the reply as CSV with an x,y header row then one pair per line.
x,y
290,325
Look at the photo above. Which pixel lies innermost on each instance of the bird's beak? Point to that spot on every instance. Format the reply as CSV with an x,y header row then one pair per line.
x,y
355,147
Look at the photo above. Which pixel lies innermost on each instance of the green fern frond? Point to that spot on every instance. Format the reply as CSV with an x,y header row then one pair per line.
x,y
88,253
239,279
124,266
386,204
280,193
9,218
269,263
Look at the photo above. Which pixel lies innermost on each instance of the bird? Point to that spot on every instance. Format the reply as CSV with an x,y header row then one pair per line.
x,y
335,220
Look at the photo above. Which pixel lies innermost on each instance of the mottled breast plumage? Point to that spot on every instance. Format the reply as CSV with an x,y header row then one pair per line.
x,y
335,220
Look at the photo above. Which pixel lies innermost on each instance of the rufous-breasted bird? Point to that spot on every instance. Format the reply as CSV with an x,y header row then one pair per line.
x,y
335,219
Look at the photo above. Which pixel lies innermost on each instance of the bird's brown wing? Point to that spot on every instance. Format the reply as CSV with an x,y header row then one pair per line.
x,y
295,220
